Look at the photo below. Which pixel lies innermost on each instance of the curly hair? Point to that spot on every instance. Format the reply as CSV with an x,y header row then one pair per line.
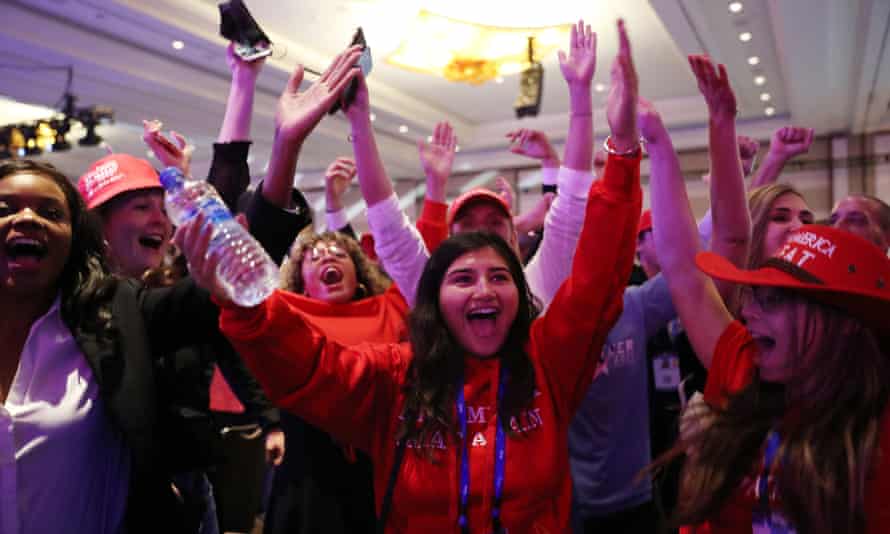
x,y
368,275
438,359
85,284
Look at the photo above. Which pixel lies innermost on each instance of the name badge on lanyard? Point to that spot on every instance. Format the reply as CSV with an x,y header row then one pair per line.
x,y
764,520
666,370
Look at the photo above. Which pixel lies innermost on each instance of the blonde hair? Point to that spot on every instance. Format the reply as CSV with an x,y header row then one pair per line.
x,y
760,204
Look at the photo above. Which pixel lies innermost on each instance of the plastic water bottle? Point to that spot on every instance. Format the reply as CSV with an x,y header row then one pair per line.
x,y
245,270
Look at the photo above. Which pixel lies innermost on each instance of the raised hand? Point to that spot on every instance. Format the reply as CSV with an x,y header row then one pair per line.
x,y
437,159
337,178
791,141
533,144
242,70
505,189
714,86
298,113
193,239
748,148
176,153
621,106
649,120
580,64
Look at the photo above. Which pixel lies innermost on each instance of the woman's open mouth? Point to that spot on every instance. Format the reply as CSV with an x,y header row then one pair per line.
x,y
331,275
483,321
25,251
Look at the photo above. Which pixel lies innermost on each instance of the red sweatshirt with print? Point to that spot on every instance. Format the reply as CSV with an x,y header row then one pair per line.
x,y
355,393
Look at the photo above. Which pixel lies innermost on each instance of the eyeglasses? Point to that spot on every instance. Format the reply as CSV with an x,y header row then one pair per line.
x,y
319,250
767,298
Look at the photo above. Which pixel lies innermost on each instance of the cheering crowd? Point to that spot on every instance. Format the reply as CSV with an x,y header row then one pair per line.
x,y
450,374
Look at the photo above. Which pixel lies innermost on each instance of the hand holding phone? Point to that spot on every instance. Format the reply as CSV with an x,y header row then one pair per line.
x,y
238,25
364,63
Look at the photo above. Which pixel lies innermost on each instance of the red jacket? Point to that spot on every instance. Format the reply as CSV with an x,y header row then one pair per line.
x,y
732,369
356,394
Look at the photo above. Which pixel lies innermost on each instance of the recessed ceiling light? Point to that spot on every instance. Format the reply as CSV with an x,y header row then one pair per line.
x,y
600,87
499,79
373,117
770,111
759,80
764,97
735,7
753,60
457,148
745,37
177,45
429,139
403,129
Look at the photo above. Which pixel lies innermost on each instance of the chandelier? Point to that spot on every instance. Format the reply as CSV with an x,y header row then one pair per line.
x,y
467,52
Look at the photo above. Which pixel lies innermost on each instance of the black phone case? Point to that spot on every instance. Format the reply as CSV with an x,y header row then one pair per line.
x,y
349,93
238,25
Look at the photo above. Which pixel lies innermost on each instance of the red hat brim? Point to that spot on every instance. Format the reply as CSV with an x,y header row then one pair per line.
x,y
869,306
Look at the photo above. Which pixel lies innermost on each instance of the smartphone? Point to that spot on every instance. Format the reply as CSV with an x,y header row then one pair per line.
x,y
239,26
252,52
364,63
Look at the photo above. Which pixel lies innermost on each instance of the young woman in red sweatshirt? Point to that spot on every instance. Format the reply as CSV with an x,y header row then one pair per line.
x,y
479,402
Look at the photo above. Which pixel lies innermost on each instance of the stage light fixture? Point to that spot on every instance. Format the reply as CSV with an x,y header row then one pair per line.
x,y
531,86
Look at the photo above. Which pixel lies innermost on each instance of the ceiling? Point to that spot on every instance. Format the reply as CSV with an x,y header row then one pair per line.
x,y
825,62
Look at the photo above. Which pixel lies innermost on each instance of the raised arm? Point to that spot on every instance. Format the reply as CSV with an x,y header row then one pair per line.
x,y
229,171
570,335
551,264
239,106
729,206
398,243
786,143
348,393
337,178
297,115
437,160
695,296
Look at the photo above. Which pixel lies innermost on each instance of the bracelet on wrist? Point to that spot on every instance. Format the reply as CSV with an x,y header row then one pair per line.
x,y
633,151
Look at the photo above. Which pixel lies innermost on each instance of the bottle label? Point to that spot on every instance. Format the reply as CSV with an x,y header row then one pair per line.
x,y
214,210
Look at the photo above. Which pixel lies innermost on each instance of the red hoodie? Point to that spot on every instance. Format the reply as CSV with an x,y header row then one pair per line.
x,y
356,393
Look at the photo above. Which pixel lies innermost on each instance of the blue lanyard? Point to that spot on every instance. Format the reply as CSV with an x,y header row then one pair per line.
x,y
769,455
500,446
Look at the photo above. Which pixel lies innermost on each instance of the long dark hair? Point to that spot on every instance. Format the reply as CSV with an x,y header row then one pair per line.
x,y
438,359
84,284
828,417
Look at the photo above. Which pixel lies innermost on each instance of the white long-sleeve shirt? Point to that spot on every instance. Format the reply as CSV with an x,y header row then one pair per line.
x,y
403,253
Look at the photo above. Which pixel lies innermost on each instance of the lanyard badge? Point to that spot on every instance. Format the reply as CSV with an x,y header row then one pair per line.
x,y
764,520
500,457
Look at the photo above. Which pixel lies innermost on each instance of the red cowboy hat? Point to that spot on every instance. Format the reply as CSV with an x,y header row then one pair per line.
x,y
476,195
827,264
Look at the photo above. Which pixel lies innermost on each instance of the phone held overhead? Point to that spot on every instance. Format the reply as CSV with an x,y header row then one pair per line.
x,y
364,63
238,25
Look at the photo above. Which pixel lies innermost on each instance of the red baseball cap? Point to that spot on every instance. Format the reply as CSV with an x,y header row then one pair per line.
x,y
645,222
828,264
113,175
478,194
